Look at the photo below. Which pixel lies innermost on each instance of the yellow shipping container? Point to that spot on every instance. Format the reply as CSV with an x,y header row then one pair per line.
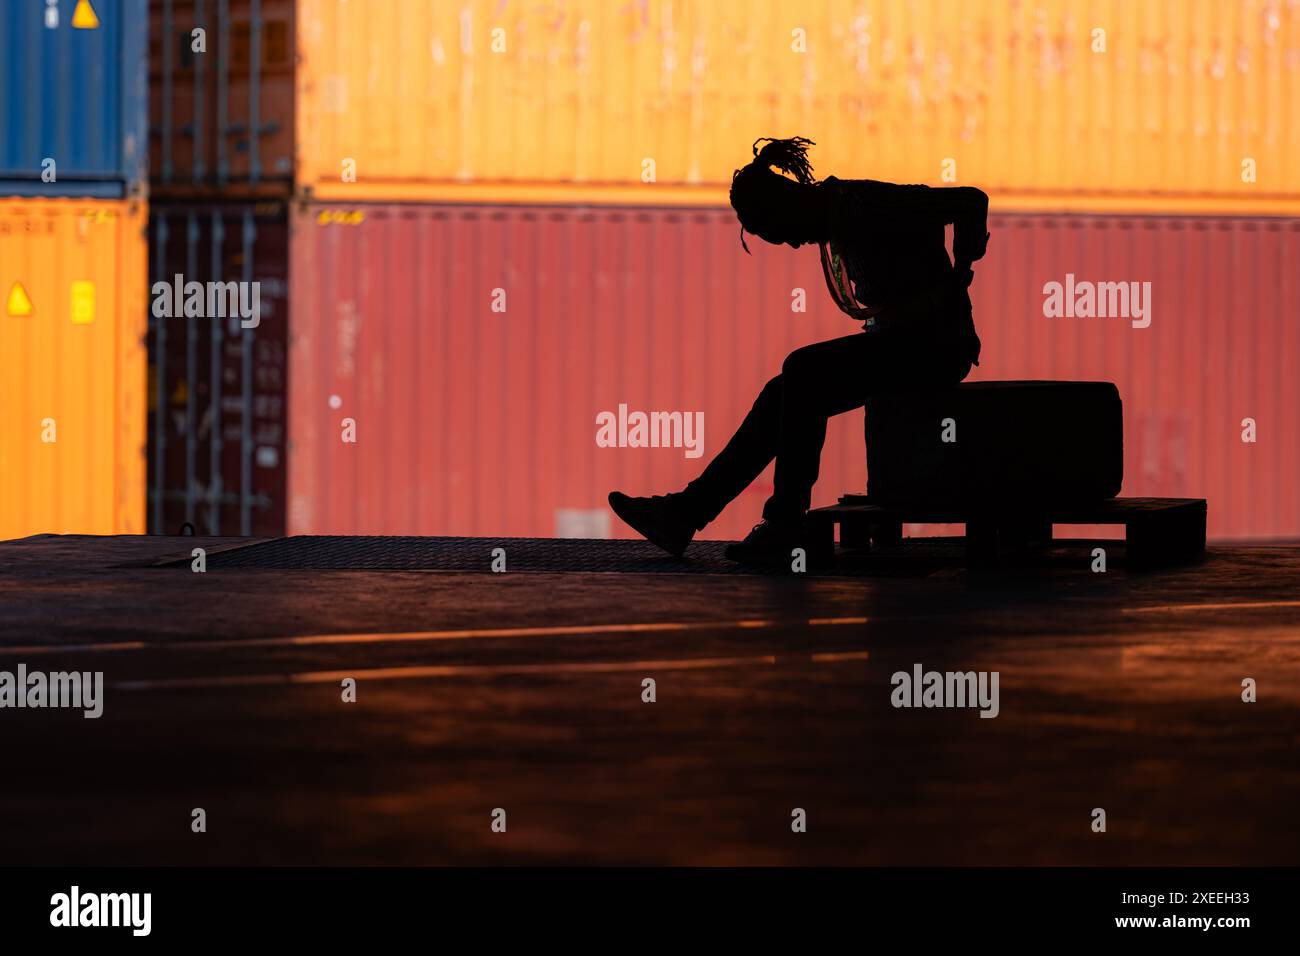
x,y
1120,104
72,366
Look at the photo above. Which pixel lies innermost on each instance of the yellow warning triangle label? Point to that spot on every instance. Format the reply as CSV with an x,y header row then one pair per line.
x,y
83,17
18,302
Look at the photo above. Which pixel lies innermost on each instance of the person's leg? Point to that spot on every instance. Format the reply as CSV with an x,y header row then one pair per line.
x,y
671,520
788,422
742,459
818,381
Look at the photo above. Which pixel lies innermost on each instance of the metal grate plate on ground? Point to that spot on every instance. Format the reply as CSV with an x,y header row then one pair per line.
x,y
917,558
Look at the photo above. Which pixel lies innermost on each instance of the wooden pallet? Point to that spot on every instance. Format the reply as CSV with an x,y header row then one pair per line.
x,y
1157,530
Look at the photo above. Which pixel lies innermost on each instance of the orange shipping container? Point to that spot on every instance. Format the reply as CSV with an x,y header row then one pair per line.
x,y
72,366
1133,105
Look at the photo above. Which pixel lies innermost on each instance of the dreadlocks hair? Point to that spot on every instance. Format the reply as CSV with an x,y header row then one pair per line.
x,y
788,155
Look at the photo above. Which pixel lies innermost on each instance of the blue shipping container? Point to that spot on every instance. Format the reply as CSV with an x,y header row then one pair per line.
x,y
73,89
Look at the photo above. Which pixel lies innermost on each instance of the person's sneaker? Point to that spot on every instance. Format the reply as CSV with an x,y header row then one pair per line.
x,y
659,520
769,543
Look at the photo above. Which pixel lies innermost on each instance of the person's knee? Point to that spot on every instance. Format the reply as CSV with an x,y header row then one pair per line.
x,y
769,396
800,366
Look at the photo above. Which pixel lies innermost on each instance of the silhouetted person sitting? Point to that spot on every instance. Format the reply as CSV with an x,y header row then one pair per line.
x,y
886,265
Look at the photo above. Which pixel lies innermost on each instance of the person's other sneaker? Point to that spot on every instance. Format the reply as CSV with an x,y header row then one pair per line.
x,y
769,543
659,520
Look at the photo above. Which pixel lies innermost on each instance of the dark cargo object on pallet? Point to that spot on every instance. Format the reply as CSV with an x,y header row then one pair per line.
x,y
983,442
1008,460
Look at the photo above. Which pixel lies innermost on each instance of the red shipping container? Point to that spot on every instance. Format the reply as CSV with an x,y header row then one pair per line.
x,y
469,351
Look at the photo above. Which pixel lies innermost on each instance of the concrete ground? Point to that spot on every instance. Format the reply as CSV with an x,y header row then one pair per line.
x,y
523,691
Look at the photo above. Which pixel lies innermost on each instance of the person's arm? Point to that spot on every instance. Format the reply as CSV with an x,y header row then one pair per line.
x,y
970,229
866,202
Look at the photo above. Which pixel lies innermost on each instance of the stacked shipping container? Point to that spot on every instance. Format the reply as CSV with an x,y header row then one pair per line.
x,y
1114,105
72,387
217,399
471,420
574,159
72,98
221,93
72,270
221,156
